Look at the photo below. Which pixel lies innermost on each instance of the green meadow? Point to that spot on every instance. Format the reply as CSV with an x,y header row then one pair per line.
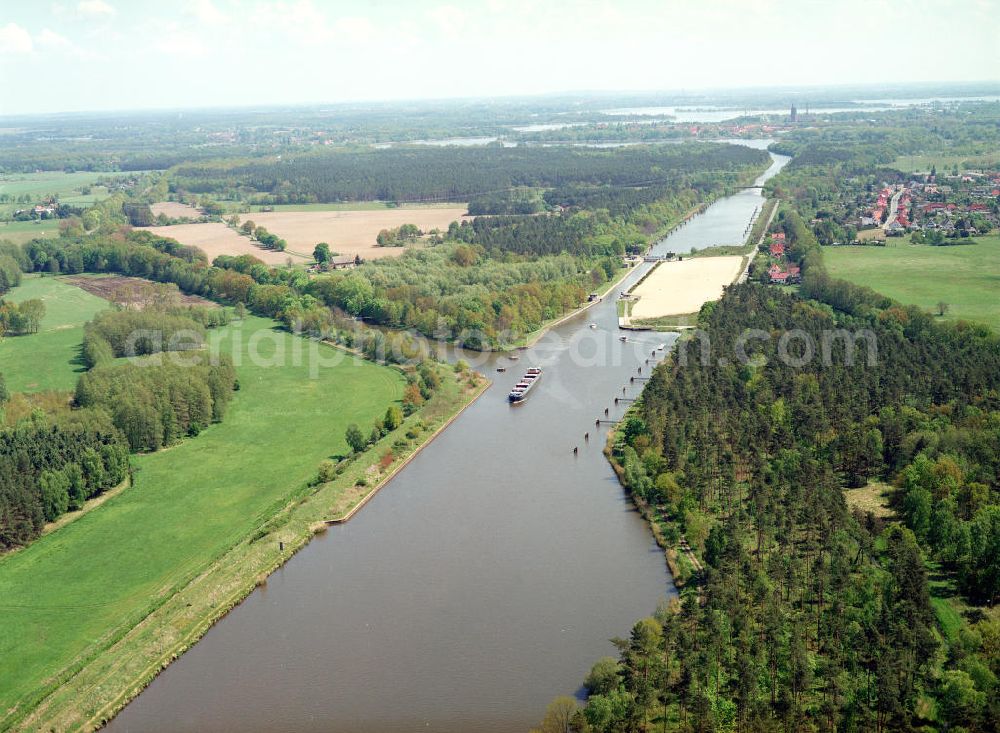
x,y
966,276
65,597
20,232
46,183
65,186
922,163
49,359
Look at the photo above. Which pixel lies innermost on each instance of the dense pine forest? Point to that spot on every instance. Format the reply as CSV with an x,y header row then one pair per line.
x,y
810,615
814,611
50,464
452,173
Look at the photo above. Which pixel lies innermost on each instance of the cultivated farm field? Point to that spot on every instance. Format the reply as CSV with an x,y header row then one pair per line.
x,y
348,233
49,359
64,596
214,239
965,276
351,232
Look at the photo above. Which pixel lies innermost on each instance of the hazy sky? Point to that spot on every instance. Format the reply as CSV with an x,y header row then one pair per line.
x,y
126,54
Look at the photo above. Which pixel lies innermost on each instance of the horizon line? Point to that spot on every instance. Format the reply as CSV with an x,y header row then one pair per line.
x,y
563,94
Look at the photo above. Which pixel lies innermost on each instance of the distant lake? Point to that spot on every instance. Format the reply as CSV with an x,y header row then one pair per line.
x,y
711,113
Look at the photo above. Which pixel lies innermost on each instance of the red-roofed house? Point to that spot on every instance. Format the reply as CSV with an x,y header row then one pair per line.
x,y
777,249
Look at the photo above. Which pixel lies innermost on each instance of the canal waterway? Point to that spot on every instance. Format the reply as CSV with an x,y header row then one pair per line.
x,y
483,581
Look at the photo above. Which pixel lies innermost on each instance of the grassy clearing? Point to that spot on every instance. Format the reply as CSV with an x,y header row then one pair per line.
x,y
97,193
872,498
877,233
722,250
20,232
944,163
668,323
946,601
762,221
49,359
46,183
73,593
966,277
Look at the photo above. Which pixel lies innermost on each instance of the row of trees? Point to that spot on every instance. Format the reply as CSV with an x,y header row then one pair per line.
x,y
267,240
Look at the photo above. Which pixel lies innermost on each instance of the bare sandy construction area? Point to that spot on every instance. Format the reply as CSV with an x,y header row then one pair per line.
x,y
175,210
677,288
348,233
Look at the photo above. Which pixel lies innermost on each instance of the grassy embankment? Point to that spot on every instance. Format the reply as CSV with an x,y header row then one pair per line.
x,y
94,610
49,359
966,277
753,238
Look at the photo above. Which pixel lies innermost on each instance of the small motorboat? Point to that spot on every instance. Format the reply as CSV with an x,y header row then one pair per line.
x,y
501,369
623,338
514,357
593,325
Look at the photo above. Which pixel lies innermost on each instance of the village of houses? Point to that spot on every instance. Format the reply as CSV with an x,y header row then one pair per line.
x,y
953,206
934,210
